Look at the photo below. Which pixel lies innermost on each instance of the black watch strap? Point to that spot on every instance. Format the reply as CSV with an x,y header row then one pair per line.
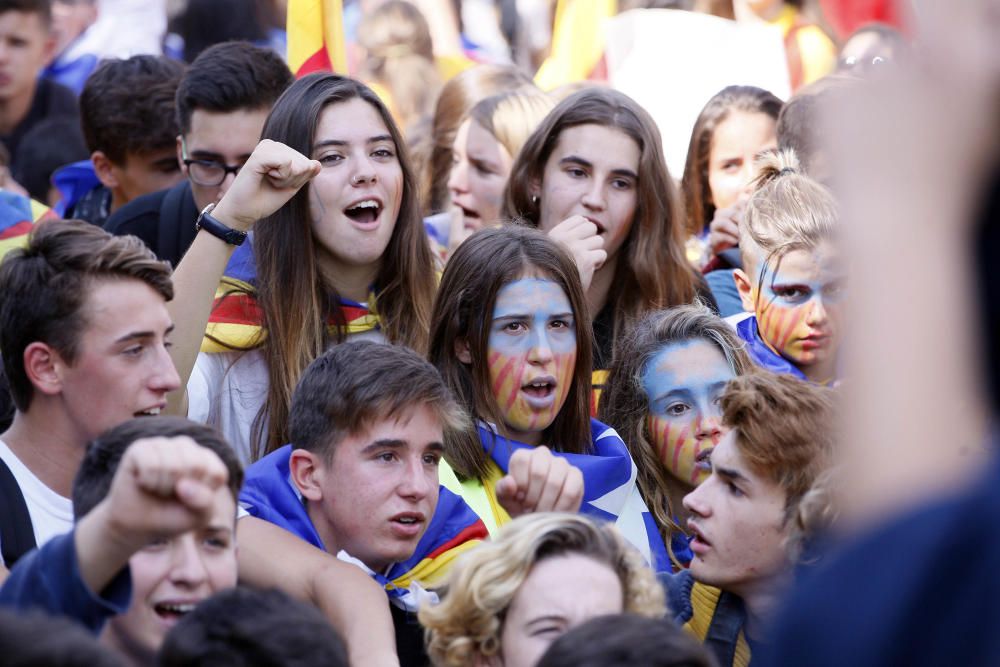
x,y
211,224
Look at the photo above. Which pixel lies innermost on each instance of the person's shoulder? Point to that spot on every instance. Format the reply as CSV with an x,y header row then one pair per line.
x,y
135,216
58,99
907,592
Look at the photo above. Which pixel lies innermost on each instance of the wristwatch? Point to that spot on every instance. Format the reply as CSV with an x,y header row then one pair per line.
x,y
211,224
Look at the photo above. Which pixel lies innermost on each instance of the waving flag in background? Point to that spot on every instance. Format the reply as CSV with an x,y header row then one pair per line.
x,y
316,37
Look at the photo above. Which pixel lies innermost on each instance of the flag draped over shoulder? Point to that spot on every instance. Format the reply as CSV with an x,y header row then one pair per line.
x,y
316,37
609,483
236,321
269,494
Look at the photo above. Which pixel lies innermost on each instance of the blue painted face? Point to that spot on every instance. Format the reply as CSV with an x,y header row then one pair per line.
x,y
532,354
683,383
799,307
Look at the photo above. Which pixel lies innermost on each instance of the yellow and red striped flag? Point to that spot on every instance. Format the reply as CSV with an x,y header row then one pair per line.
x,y
316,37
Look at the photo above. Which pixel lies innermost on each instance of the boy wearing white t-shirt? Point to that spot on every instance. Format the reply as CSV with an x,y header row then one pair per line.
x,y
84,333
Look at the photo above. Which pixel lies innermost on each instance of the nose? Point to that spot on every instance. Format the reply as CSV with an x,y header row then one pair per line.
x,y
416,483
187,567
695,501
364,172
594,198
164,377
541,347
817,313
710,428
458,179
224,186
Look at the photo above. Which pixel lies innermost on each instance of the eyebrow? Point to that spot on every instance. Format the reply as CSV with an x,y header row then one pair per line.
x,y
730,474
526,316
547,618
396,443
575,159
340,142
143,334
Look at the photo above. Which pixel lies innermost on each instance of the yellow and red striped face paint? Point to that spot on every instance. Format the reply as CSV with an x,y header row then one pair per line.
x,y
531,354
799,303
683,383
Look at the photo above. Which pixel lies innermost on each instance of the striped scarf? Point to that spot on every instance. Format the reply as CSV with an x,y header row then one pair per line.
x,y
237,320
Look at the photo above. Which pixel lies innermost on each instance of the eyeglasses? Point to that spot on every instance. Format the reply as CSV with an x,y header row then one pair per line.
x,y
208,173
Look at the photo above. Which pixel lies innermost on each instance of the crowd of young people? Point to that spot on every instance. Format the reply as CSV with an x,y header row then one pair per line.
x,y
460,371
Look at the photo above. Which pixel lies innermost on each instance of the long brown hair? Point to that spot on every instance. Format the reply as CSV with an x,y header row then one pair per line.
x,y
697,193
296,302
480,267
652,271
625,405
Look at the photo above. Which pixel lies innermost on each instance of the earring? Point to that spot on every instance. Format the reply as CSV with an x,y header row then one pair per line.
x,y
534,200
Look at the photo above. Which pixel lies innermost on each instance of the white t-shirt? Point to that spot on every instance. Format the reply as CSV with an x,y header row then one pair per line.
x,y
227,390
51,514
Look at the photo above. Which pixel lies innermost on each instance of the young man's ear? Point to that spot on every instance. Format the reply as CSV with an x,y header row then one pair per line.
x,y
462,351
745,289
105,171
42,365
306,471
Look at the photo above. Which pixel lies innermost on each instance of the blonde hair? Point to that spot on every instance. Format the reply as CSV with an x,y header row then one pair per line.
x,y
511,117
787,211
481,585
400,57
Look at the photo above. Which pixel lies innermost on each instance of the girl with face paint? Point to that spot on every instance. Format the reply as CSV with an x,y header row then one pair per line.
x,y
662,395
792,280
511,336
593,176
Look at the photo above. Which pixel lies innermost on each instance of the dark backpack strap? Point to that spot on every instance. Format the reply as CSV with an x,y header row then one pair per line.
x,y
178,214
17,536
724,630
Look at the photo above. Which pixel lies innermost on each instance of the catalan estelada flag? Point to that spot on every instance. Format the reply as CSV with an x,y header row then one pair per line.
x,y
316,37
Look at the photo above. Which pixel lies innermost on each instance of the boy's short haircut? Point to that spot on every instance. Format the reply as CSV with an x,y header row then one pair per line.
x,y
626,639
44,286
228,77
41,7
354,384
31,639
105,452
784,428
242,626
127,106
47,146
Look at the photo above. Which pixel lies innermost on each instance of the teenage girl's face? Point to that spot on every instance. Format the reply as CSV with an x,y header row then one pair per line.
x,y
355,199
799,303
479,173
735,142
532,354
683,383
593,171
